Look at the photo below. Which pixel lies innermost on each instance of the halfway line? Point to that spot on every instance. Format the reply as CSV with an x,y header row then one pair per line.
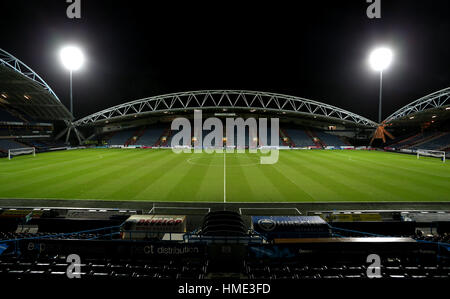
x,y
224,177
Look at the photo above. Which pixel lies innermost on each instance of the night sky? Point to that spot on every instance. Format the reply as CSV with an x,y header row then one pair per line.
x,y
137,49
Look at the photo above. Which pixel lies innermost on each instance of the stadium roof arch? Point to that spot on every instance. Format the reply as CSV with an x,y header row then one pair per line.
x,y
225,99
421,109
24,90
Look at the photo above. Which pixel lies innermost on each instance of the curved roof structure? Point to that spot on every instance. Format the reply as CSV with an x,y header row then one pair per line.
x,y
429,102
225,99
24,90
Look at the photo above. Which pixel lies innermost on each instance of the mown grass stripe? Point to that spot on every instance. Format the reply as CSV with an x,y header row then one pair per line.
x,y
48,180
413,180
104,184
160,175
343,188
238,184
147,185
380,189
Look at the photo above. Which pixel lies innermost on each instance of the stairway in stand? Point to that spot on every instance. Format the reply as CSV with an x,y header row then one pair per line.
x,y
164,138
284,135
315,139
133,139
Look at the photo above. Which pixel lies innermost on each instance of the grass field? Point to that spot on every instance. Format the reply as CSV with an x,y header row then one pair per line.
x,y
160,175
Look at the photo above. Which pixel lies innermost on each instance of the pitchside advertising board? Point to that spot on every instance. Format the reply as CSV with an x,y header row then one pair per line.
x,y
144,226
290,226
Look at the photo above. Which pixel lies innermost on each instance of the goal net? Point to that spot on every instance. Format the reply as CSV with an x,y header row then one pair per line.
x,y
431,153
21,151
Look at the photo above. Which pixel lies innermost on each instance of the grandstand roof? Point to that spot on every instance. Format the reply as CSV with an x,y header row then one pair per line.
x,y
229,100
25,91
434,105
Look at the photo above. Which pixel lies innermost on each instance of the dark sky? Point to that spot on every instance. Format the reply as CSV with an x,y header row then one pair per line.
x,y
137,49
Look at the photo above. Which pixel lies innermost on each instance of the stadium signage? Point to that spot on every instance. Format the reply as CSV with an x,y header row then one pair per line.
x,y
290,226
214,140
154,221
172,250
142,226
267,224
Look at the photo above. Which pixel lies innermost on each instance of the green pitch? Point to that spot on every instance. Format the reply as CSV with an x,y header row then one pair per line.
x,y
161,175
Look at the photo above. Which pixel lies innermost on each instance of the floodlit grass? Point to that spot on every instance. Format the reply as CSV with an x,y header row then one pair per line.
x,y
161,175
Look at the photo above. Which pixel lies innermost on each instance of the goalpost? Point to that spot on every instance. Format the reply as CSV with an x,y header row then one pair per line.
x,y
21,151
431,153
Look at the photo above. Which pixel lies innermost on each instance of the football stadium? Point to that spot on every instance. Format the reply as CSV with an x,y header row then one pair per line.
x,y
150,172
124,193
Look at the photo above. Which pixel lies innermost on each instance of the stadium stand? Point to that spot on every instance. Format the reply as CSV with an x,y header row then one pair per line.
x,y
38,131
17,132
285,139
6,144
161,136
36,144
437,142
402,138
398,265
44,144
169,134
4,132
121,137
150,136
327,264
205,133
226,245
292,137
135,137
430,140
165,138
94,267
8,117
329,139
317,142
414,140
300,138
428,137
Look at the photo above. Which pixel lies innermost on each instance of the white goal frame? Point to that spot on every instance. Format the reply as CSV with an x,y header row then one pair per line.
x,y
431,153
21,151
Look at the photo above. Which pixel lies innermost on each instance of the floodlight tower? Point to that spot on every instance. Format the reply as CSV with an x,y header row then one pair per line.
x,y
72,58
379,60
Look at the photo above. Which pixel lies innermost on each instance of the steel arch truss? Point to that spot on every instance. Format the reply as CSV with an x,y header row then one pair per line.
x,y
226,99
434,100
15,64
